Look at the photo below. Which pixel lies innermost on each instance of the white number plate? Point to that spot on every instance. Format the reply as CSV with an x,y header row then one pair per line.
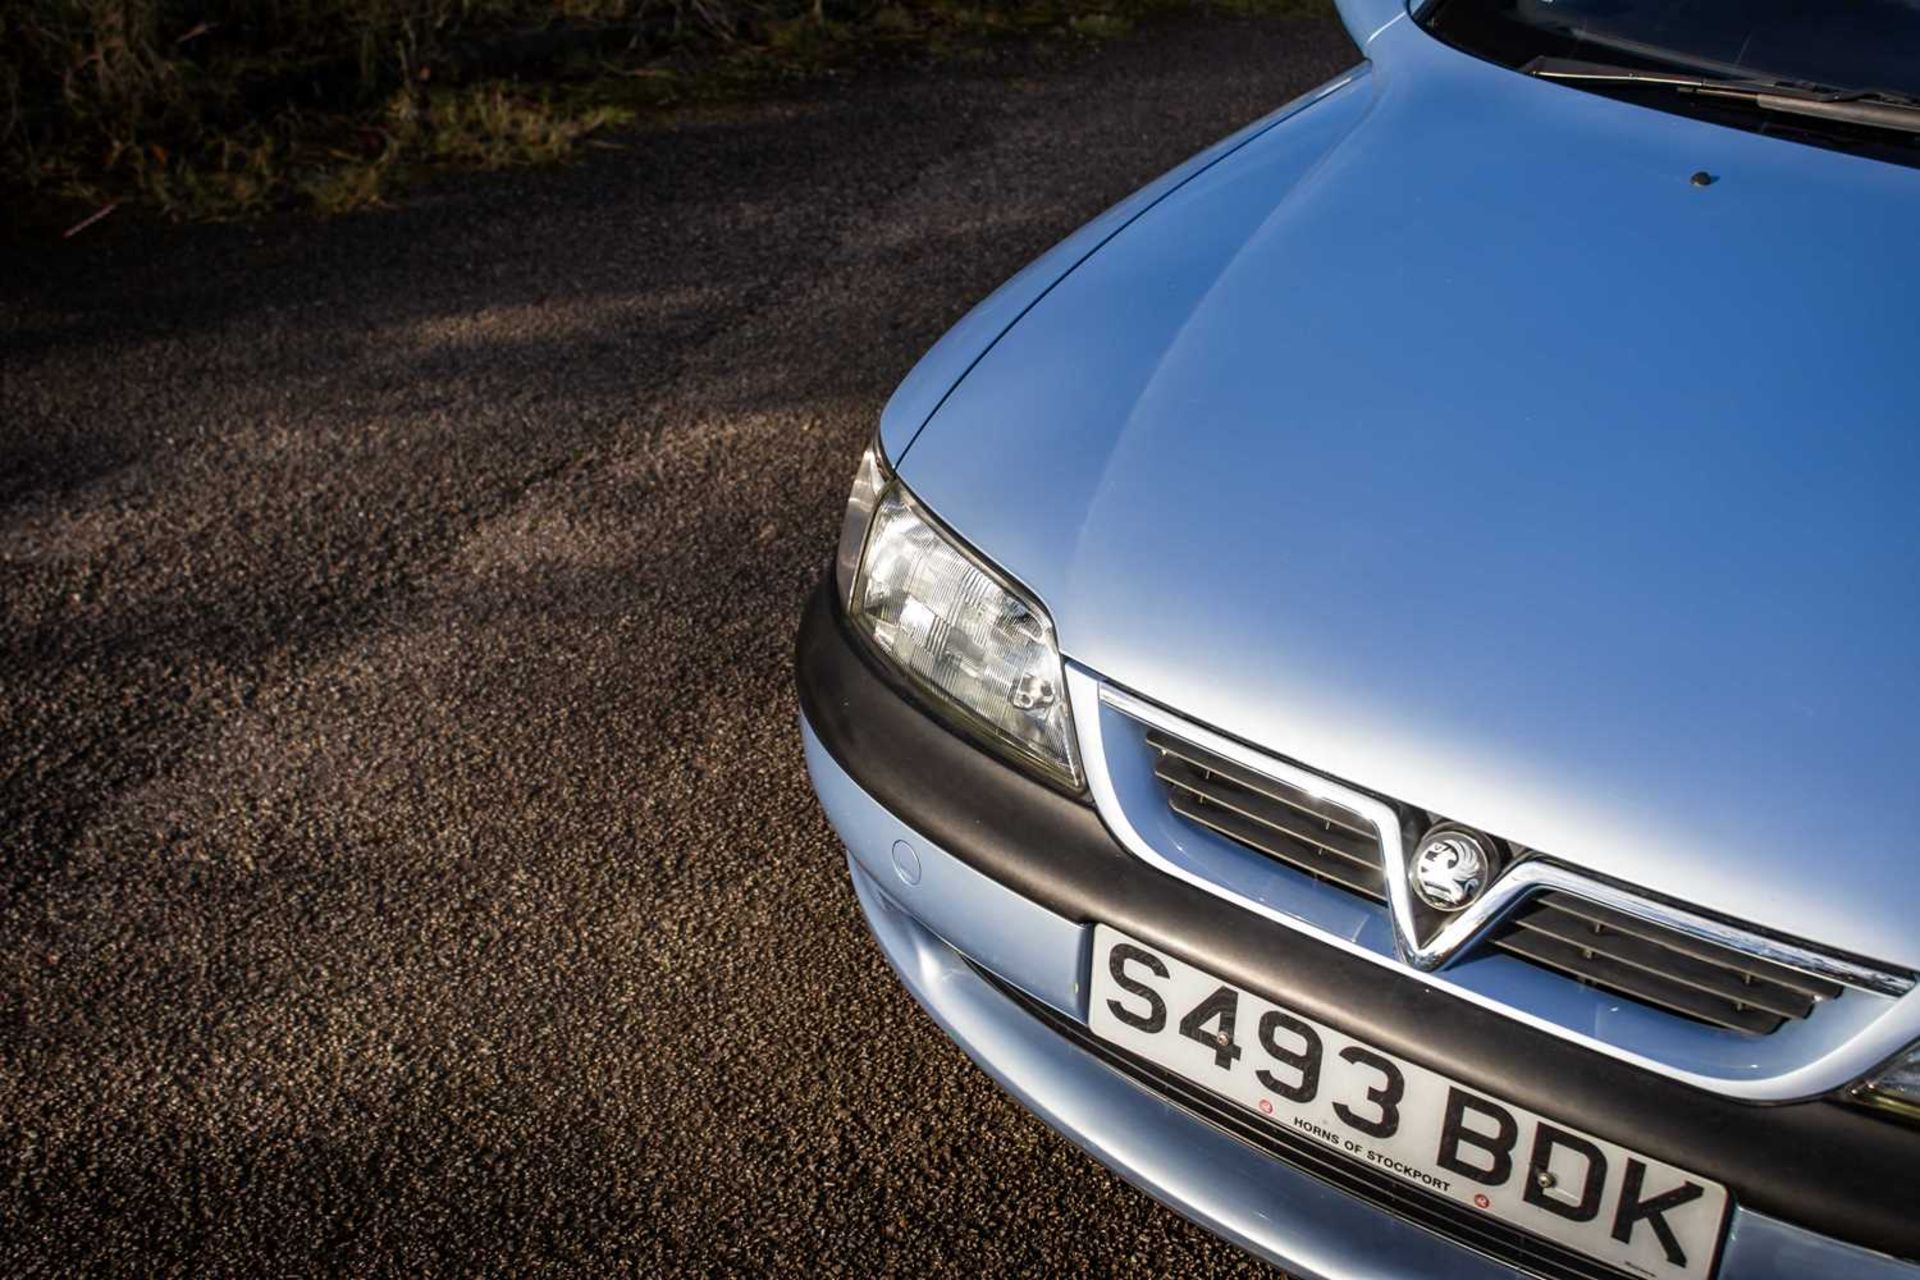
x,y
1584,1192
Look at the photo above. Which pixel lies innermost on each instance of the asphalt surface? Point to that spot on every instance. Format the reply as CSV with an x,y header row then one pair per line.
x,y
409,864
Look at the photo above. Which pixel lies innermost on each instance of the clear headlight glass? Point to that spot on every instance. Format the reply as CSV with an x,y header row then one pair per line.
x,y
964,635
1895,1087
869,482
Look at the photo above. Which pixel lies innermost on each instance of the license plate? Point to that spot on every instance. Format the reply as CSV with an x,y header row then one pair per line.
x,y
1602,1199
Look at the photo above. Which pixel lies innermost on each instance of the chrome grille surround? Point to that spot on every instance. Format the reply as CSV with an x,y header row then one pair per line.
x,y
1629,955
1842,1038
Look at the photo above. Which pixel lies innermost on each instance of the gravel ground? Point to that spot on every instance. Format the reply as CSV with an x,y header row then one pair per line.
x,y
409,864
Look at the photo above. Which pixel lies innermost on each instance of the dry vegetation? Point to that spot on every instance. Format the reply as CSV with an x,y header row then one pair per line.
x,y
222,108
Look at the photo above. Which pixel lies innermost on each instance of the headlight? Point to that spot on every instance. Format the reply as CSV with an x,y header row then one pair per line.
x,y
972,642
1895,1087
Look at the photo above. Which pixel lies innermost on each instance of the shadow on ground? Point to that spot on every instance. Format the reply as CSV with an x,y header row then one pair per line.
x,y
409,864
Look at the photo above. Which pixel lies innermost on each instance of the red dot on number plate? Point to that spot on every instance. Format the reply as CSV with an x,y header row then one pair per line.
x,y
1483,1202
1266,1106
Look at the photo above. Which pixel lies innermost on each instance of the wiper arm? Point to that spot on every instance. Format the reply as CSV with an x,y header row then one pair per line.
x,y
1850,106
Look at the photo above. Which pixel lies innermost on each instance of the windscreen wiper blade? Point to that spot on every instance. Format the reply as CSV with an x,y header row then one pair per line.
x,y
1850,106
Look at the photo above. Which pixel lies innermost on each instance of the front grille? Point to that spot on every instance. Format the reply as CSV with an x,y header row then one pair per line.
x,y
1310,834
1660,966
1423,1208
1653,964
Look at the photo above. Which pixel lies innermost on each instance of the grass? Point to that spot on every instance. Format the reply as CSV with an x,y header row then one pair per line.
x,y
208,109
490,125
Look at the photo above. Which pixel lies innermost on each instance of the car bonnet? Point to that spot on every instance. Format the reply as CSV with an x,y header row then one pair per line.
x,y
1450,438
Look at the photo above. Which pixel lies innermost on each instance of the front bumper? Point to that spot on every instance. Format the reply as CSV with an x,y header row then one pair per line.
x,y
942,918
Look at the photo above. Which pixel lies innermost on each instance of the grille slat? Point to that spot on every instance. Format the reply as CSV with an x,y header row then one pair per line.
x,y
1314,861
1761,970
1638,984
1281,817
1661,966
1267,815
1661,962
1330,814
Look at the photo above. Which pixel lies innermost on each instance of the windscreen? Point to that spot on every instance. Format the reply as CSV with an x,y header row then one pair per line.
x,y
1843,44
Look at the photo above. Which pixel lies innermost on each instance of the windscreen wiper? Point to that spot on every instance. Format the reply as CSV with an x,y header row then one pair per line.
x,y
1850,106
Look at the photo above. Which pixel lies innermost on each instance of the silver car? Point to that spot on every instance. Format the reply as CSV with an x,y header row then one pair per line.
x,y
1376,687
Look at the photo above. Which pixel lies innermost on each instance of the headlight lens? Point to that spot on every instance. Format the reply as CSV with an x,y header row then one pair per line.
x,y
977,646
868,484
1894,1087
